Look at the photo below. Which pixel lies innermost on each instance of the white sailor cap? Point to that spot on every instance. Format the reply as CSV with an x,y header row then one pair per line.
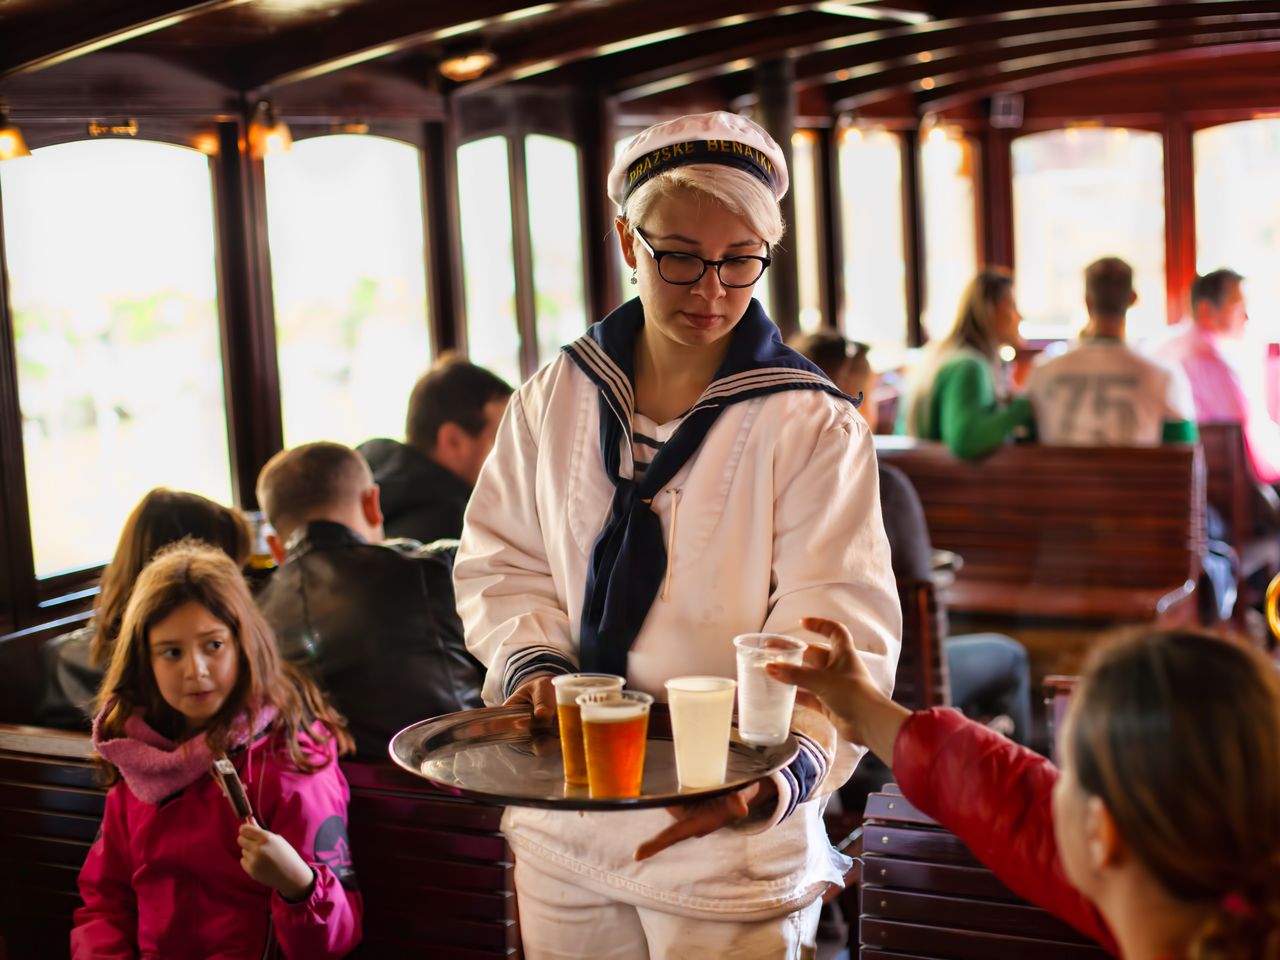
x,y
718,137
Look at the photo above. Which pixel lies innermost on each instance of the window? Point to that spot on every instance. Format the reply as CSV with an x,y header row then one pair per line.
x,y
950,233
110,246
555,223
804,234
1238,212
874,264
344,218
1080,194
488,260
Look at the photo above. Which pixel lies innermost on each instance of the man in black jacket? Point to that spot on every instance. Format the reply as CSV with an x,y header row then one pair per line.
x,y
454,412
373,621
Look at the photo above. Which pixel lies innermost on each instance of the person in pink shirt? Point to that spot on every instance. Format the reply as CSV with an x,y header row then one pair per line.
x,y
177,872
1219,316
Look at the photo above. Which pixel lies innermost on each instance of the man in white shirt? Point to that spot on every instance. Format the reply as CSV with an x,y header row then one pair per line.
x,y
1102,393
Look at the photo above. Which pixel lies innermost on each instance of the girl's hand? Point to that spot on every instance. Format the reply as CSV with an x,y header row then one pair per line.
x,y
271,860
707,816
858,708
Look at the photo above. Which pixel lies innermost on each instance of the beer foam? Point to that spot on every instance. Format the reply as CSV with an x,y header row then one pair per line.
x,y
569,686
613,711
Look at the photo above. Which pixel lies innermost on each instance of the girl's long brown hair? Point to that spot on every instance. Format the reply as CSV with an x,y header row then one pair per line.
x,y
191,572
1178,734
162,517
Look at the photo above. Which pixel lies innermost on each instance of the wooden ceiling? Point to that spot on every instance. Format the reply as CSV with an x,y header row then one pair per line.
x,y
905,56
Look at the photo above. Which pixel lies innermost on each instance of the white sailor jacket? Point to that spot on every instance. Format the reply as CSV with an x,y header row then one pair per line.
x,y
776,517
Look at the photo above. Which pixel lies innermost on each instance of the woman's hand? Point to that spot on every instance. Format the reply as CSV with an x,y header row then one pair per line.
x,y
540,694
858,708
271,860
707,816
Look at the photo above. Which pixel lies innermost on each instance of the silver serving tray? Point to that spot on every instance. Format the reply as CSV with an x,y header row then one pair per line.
x,y
495,754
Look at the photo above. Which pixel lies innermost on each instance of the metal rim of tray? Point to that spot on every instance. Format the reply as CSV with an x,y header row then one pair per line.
x,y
496,754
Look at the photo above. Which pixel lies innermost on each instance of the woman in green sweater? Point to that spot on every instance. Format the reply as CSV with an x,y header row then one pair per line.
x,y
951,395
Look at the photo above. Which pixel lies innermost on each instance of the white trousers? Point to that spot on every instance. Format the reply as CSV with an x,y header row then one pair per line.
x,y
560,920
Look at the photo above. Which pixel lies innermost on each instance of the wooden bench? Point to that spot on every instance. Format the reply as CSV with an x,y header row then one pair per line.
x,y
925,897
1229,479
435,872
1100,534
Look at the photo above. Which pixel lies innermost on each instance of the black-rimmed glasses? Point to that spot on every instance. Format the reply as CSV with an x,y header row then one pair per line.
x,y
686,269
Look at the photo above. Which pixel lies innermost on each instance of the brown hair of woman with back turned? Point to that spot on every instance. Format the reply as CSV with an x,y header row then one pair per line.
x,y
951,394
72,664
162,517
1160,835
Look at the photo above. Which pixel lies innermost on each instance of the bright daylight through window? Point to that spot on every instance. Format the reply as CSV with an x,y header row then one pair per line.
x,y
1080,194
110,248
344,216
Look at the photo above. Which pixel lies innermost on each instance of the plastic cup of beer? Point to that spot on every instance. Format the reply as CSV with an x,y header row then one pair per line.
x,y
615,725
568,688
765,704
701,714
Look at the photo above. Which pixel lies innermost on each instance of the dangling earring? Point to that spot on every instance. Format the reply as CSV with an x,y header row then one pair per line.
x,y
633,277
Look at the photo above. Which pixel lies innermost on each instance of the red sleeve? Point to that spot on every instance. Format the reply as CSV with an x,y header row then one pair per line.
x,y
996,796
106,927
311,814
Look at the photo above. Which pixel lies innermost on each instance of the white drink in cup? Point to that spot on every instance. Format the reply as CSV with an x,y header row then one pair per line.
x,y
765,704
701,714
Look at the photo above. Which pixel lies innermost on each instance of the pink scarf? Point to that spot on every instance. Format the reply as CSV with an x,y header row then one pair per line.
x,y
155,767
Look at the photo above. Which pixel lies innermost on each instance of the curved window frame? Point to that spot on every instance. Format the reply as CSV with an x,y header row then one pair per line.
x,y
395,134
1154,282
1265,318
26,599
515,136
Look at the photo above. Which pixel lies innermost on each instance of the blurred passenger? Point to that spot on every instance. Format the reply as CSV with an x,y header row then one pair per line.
x,y
989,673
1160,835
1102,393
373,621
1219,316
74,662
426,481
952,394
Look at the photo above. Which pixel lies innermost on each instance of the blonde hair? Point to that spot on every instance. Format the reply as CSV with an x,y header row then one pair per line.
x,y
974,330
191,572
975,321
1178,733
738,192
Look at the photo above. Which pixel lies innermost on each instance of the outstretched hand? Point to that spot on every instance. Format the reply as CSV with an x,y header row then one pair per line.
x,y
846,690
708,816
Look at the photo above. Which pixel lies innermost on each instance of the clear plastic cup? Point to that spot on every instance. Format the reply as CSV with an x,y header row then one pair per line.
x,y
765,704
568,688
615,727
701,714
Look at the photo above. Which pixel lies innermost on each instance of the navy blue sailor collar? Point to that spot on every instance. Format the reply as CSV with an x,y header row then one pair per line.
x,y
757,362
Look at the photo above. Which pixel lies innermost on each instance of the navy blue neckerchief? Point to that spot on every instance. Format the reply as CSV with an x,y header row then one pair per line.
x,y
629,558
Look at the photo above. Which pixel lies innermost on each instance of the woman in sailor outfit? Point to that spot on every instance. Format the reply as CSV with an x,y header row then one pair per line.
x,y
675,478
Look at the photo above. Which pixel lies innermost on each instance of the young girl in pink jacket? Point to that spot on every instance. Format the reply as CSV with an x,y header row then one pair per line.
x,y
175,873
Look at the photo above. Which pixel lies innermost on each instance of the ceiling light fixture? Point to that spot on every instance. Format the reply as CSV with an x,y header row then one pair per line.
x,y
268,134
467,66
12,144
